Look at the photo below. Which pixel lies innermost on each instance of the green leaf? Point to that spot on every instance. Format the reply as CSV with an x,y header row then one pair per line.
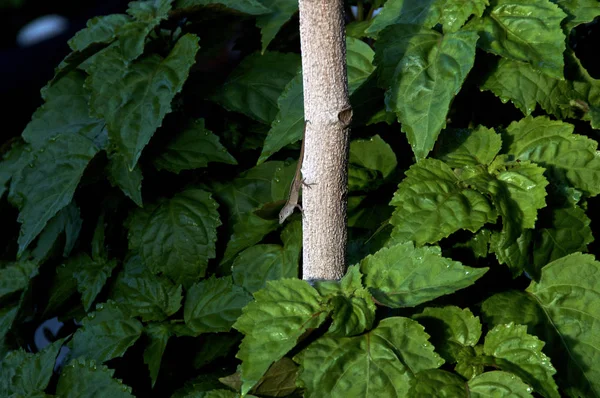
x,y
498,384
28,374
101,29
193,148
359,60
274,322
379,363
69,221
91,275
48,186
516,255
64,114
567,293
215,346
353,307
213,305
83,378
179,237
527,31
252,7
288,125
130,181
106,333
135,98
147,15
437,383
570,232
254,86
405,12
15,276
465,147
405,276
279,381
523,352
570,159
8,313
454,13
12,162
136,224
251,190
151,297
269,24
432,203
478,243
253,267
452,330
425,81
159,336
518,191
370,155
578,11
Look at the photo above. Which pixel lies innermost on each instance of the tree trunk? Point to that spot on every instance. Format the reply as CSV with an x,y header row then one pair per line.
x,y
327,113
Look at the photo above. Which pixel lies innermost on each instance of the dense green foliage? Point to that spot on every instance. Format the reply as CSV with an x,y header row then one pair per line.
x,y
139,208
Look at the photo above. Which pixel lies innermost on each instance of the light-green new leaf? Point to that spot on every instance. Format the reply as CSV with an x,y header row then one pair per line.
x,y
405,276
106,333
82,375
193,148
570,159
379,363
425,81
432,203
520,353
272,324
213,305
134,98
527,31
179,237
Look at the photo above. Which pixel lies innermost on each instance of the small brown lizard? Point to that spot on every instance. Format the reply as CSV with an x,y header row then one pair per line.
x,y
292,202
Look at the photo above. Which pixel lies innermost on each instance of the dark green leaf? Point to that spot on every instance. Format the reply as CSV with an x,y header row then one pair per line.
x,y
151,297
15,276
213,305
252,7
374,157
91,275
12,162
98,30
269,24
106,334
437,383
379,363
254,86
258,264
84,378
134,99
69,221
193,148
130,181
280,314
179,238
578,11
159,336
405,12
405,276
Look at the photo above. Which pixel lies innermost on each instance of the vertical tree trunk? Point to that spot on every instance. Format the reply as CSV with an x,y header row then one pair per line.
x,y
327,113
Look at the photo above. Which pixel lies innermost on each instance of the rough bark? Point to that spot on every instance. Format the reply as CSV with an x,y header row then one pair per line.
x,y
328,114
